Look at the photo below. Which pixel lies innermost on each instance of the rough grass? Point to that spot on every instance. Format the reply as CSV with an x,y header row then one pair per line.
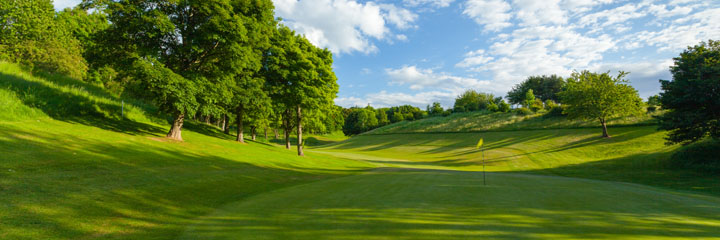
x,y
496,121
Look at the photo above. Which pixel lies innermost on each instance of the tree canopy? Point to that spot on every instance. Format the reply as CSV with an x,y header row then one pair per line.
x,y
600,96
692,98
544,87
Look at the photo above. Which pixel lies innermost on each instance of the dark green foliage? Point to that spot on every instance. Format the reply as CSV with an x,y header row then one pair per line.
x,y
544,87
692,98
171,92
435,110
703,155
472,100
360,120
600,96
31,35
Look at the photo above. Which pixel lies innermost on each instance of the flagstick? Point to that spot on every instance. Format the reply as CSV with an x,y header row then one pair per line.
x,y
482,151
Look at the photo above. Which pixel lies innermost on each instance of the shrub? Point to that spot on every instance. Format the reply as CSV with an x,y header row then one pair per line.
x,y
651,108
555,111
523,111
549,104
536,105
493,107
503,107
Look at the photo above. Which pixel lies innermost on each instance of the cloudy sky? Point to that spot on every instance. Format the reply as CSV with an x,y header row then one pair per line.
x,y
416,52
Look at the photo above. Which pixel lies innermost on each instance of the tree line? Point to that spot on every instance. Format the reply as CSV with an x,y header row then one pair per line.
x,y
223,61
690,101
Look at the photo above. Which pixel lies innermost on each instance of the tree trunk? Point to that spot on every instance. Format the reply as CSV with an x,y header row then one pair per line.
x,y
207,120
252,132
276,133
224,123
266,134
299,132
240,137
604,125
286,131
176,128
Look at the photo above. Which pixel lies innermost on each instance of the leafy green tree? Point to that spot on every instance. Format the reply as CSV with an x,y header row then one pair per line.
x,y
31,35
529,98
202,43
472,100
544,87
503,106
600,96
360,120
435,110
301,75
692,98
382,116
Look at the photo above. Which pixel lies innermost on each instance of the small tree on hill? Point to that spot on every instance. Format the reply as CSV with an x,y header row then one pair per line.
x,y
692,98
544,87
600,96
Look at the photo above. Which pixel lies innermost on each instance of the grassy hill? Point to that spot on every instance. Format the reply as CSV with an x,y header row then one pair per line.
x,y
497,121
73,167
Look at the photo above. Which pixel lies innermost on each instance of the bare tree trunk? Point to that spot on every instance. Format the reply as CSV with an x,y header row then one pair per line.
x,y
252,132
226,124
207,119
266,134
276,133
176,128
299,132
240,137
605,131
286,131
223,122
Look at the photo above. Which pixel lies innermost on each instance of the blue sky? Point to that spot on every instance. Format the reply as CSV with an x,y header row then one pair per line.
x,y
416,52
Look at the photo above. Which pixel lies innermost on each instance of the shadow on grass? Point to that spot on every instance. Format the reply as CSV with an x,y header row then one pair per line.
x,y
79,188
435,204
73,107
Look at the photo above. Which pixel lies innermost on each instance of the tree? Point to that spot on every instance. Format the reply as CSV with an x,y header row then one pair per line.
x,y
359,120
600,96
692,98
544,87
529,98
202,43
301,76
436,109
30,34
472,100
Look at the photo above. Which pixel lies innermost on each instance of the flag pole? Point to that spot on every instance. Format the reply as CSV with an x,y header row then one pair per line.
x,y
482,151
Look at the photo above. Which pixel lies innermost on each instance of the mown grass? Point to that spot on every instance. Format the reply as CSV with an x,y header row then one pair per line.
x,y
635,154
70,168
497,121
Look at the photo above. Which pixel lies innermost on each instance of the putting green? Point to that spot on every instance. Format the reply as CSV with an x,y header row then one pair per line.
x,y
443,204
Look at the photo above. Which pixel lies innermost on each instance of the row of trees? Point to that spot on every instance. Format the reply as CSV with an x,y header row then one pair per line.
x,y
359,120
226,60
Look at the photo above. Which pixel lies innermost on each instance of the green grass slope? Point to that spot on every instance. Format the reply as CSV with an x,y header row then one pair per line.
x,y
71,168
496,121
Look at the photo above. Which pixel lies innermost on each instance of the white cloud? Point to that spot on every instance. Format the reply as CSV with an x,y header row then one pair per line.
x,y
536,51
532,12
433,3
682,32
418,79
493,15
388,99
343,26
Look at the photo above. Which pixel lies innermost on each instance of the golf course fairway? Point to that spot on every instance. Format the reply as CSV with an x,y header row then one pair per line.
x,y
442,204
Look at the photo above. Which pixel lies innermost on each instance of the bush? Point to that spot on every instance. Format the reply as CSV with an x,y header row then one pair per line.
x,y
523,111
503,107
550,104
651,108
493,107
555,111
536,105
446,113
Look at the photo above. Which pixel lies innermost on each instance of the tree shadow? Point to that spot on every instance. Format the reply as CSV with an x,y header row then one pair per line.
x,y
79,188
75,107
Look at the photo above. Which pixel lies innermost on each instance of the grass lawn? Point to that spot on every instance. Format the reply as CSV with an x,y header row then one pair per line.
x,y
73,167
